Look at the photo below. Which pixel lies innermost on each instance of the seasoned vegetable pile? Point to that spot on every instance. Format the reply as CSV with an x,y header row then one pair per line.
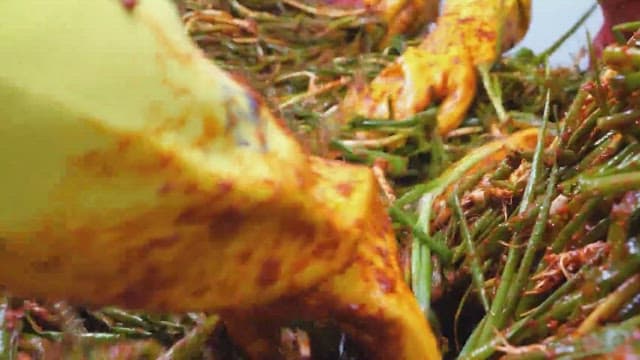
x,y
518,231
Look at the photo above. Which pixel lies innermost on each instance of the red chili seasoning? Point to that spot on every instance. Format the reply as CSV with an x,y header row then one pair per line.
x,y
129,4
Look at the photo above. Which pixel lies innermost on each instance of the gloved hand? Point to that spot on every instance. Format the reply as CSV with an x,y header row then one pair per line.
x,y
443,66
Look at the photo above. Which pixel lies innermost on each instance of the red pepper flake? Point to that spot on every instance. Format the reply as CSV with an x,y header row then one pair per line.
x,y
344,189
269,272
385,282
129,4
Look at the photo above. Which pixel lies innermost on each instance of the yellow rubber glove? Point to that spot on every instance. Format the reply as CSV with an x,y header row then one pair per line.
x,y
138,174
369,300
443,67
